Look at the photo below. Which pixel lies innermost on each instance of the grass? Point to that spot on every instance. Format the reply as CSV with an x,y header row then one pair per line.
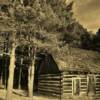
x,y
22,95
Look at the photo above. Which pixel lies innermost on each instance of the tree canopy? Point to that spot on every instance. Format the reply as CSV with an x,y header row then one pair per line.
x,y
47,21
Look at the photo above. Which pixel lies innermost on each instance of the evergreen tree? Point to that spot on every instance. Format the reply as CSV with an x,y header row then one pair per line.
x,y
96,41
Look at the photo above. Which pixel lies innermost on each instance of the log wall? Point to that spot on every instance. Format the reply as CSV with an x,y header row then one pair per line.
x,y
84,84
69,84
50,84
97,85
65,84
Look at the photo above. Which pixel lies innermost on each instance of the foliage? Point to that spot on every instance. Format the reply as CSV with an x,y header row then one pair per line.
x,y
38,20
92,42
96,41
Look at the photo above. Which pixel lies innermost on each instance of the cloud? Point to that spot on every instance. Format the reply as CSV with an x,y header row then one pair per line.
x,y
88,13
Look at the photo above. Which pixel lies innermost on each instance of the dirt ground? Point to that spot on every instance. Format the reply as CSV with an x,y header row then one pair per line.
x,y
21,95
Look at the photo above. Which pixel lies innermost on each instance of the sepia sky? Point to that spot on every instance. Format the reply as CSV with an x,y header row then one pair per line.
x,y
88,13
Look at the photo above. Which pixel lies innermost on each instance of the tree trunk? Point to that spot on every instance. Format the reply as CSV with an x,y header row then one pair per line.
x,y
19,82
1,77
11,73
0,80
31,79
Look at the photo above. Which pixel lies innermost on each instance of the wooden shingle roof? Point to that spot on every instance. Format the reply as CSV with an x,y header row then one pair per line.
x,y
75,59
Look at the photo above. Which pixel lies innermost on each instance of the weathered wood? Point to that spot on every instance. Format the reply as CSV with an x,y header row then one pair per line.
x,y
68,76
97,85
85,83
67,84
67,87
46,84
97,82
66,80
50,77
66,94
49,90
51,82
83,86
97,76
67,91
97,92
98,79
50,93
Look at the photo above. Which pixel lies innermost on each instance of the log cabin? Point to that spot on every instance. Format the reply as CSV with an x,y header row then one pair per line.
x,y
72,74
67,72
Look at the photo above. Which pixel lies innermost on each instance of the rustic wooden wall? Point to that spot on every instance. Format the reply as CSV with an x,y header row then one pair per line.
x,y
50,84
67,84
97,86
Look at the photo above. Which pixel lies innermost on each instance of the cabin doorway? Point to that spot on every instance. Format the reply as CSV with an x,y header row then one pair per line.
x,y
91,85
76,86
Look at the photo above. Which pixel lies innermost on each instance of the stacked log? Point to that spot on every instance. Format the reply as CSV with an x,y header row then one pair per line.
x,y
67,84
97,85
50,84
83,85
64,85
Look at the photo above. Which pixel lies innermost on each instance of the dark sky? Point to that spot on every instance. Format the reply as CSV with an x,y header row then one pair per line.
x,y
88,13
